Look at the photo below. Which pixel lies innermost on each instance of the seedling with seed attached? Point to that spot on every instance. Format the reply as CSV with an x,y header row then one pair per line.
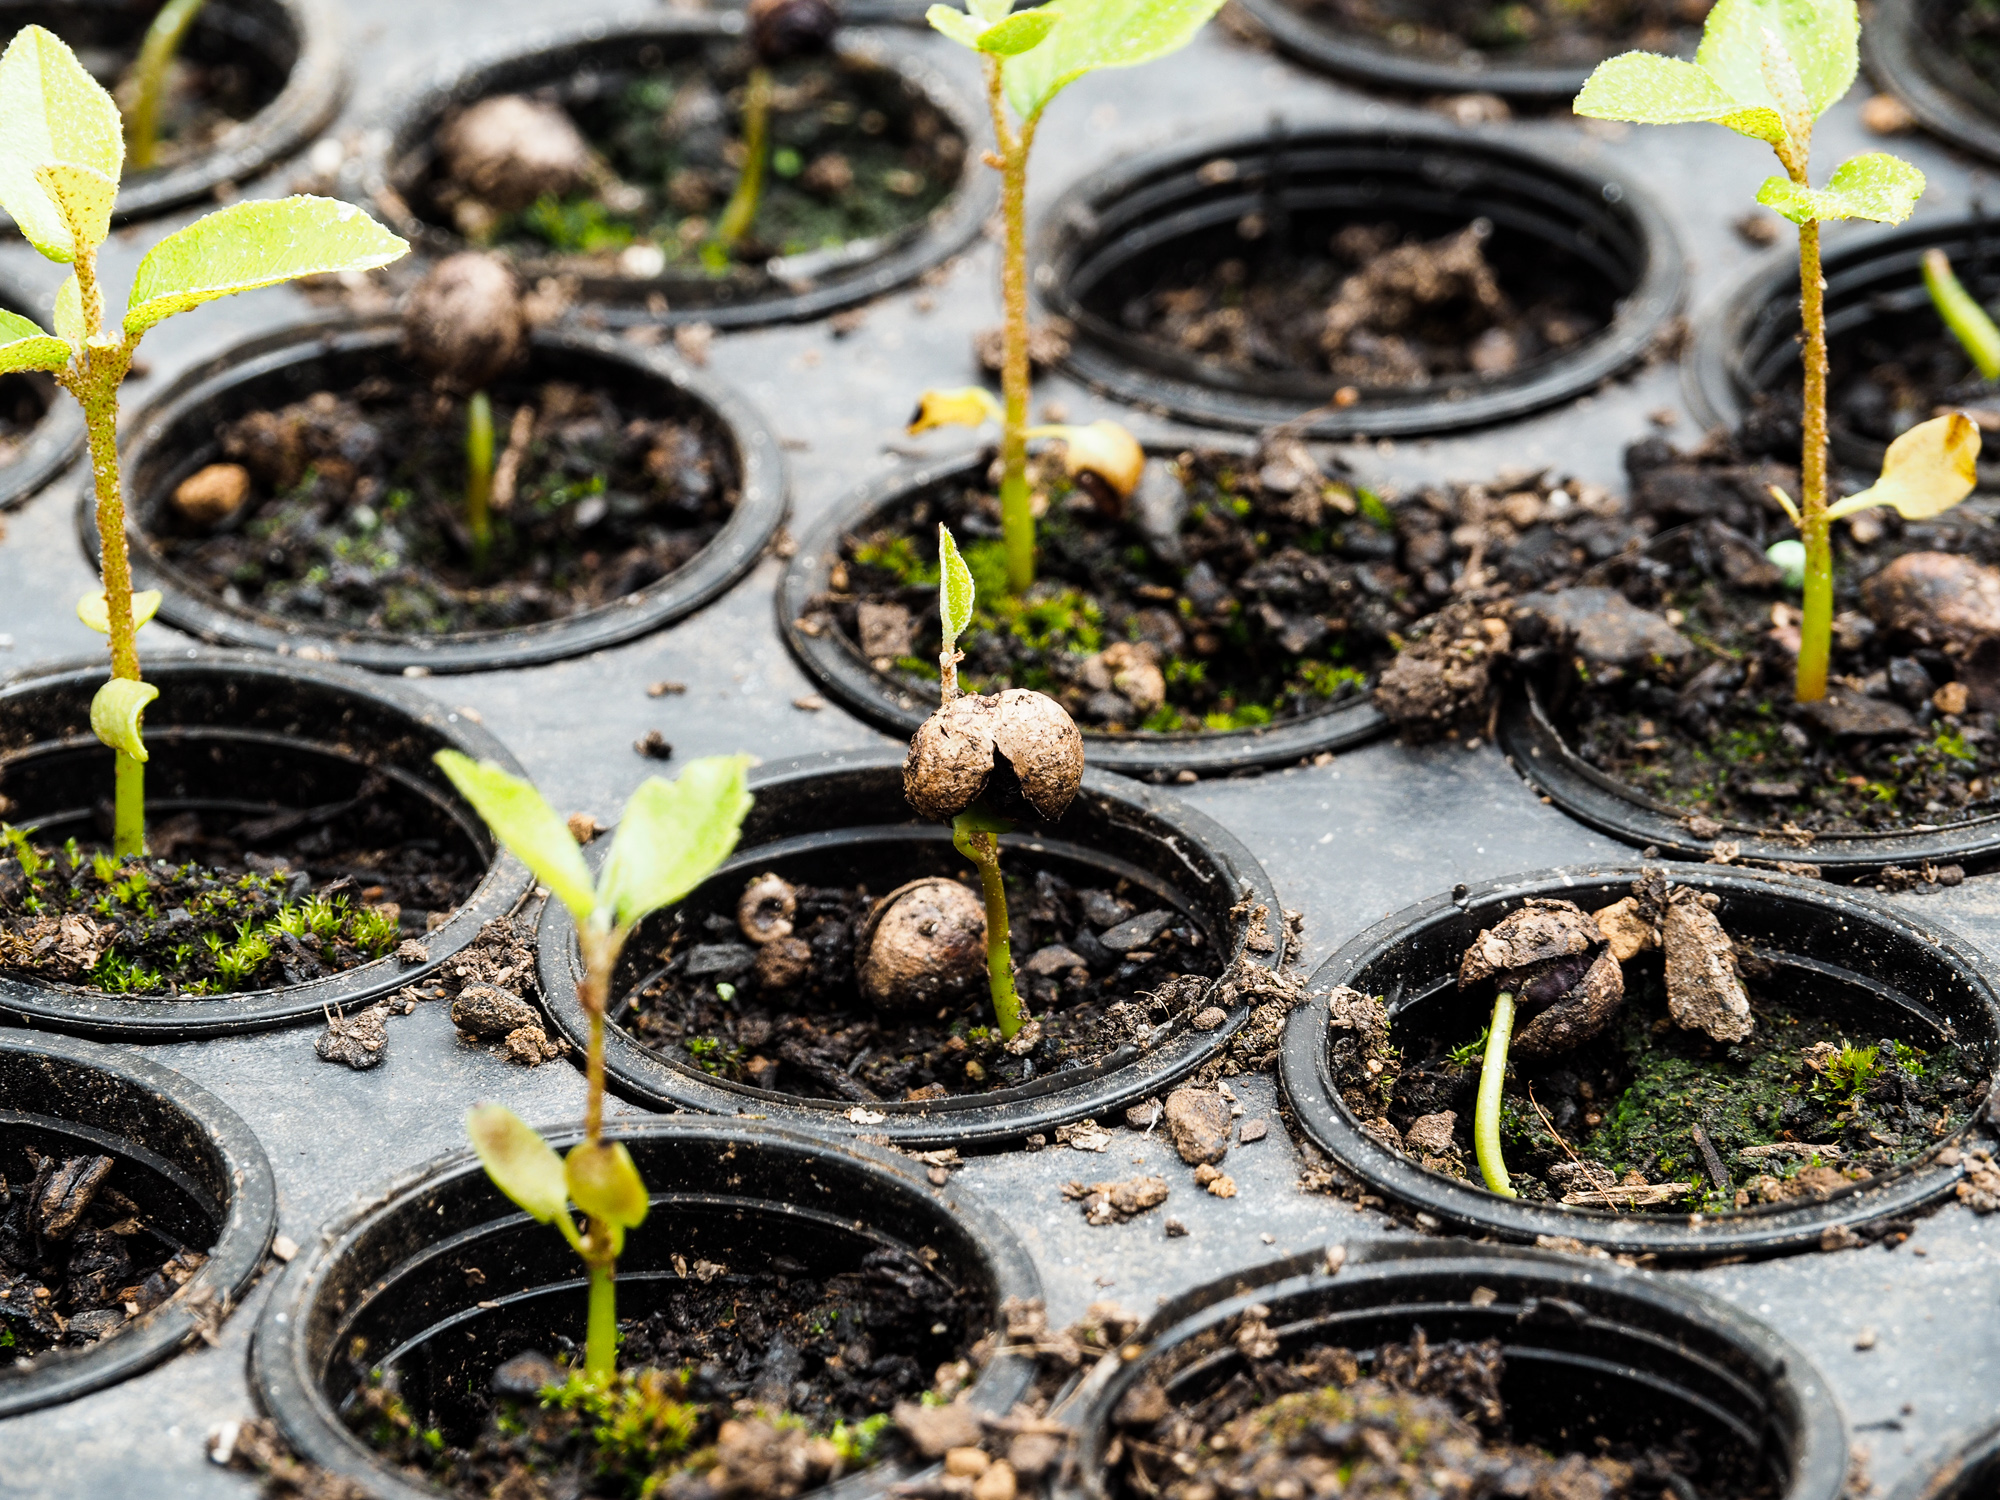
x,y
779,31
61,152
672,837
1768,69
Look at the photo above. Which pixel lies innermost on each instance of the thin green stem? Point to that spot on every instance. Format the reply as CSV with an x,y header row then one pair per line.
x,y
741,210
1017,516
1486,1116
983,849
156,55
1962,314
600,1344
479,475
1816,628
600,956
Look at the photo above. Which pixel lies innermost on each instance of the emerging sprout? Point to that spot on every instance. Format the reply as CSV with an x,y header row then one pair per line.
x,y
61,155
671,838
1768,69
1962,314
146,86
1030,57
780,30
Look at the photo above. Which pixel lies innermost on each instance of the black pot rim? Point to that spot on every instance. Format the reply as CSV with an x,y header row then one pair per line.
x,y
838,666
1362,60
282,1381
1545,760
1770,1229
1641,317
1821,1462
620,302
74,1008
312,93
1895,51
1938,1473
648,1078
760,509
233,1261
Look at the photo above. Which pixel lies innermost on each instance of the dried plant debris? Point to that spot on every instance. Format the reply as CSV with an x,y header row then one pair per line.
x,y
360,1041
1116,1202
1682,1077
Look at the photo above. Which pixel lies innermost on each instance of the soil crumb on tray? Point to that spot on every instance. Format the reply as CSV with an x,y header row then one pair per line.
x,y
1547,33
797,990
348,512
761,1384
1415,1418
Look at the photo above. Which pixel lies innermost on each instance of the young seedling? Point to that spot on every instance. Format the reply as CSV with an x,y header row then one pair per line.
x,y
780,30
1768,69
61,154
1962,314
975,758
146,86
1030,57
671,838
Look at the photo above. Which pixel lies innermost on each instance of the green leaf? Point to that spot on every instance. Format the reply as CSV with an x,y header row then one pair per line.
x,y
51,111
23,345
69,312
956,24
83,195
92,610
1019,32
604,1182
249,245
1650,90
521,1164
1820,39
1094,34
673,835
115,713
954,588
1874,186
526,824
989,11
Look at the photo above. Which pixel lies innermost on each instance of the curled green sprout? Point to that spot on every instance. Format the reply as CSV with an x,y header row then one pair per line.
x,y
1486,1114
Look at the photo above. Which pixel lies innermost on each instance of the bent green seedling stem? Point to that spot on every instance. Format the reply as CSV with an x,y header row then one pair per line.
x,y
1486,1114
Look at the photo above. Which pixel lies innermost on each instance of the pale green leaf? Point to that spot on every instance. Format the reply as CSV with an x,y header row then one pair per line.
x,y
521,1164
1819,37
1925,472
83,196
672,836
1019,32
1789,557
115,713
954,588
956,24
1875,186
249,245
604,1182
92,610
526,824
1094,34
989,11
69,312
51,111
1647,89
23,345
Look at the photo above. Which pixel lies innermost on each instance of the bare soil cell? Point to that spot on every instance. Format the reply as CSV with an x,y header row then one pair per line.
x,y
1380,1424
23,400
1099,968
739,1384
355,516
1523,33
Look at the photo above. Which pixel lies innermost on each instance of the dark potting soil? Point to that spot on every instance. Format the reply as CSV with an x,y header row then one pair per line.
x,y
1377,306
1098,969
1971,30
78,1259
1238,592
217,908
1522,33
354,514
1381,1424
22,402
855,157
759,1384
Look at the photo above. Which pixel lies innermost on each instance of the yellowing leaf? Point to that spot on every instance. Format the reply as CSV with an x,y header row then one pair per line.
x,y
955,591
1094,34
51,111
23,345
251,245
1926,471
115,714
92,610
1019,32
1874,186
519,1161
604,1182
83,195
1105,449
970,406
526,824
672,836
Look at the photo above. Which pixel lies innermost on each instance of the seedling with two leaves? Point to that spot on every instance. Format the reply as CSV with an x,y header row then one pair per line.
x,y
672,837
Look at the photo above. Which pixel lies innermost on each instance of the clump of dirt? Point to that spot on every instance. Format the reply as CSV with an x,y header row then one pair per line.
x,y
78,1258
742,1383
1099,968
1377,307
857,158
1374,1424
1548,33
348,511
339,887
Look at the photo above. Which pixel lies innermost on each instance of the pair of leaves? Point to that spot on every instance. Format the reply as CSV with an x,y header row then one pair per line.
x,y
600,1179
94,612
671,838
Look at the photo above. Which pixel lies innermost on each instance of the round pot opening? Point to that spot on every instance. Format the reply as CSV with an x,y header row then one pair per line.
x,y
1161,873
1961,1468
873,176
1594,1362
1940,60
1561,276
253,80
1311,699
149,1201
1815,960
312,775
442,1280
260,444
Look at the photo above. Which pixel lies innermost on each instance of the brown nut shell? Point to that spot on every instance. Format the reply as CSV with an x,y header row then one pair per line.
x,y
464,322
1540,931
764,911
1043,745
508,150
951,758
923,942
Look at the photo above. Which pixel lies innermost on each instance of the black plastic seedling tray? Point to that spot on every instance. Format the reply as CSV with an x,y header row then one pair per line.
x,y
1908,1339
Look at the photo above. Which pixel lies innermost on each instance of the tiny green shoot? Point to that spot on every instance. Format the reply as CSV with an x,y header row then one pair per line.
x,y
479,475
1486,1111
1962,314
145,87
